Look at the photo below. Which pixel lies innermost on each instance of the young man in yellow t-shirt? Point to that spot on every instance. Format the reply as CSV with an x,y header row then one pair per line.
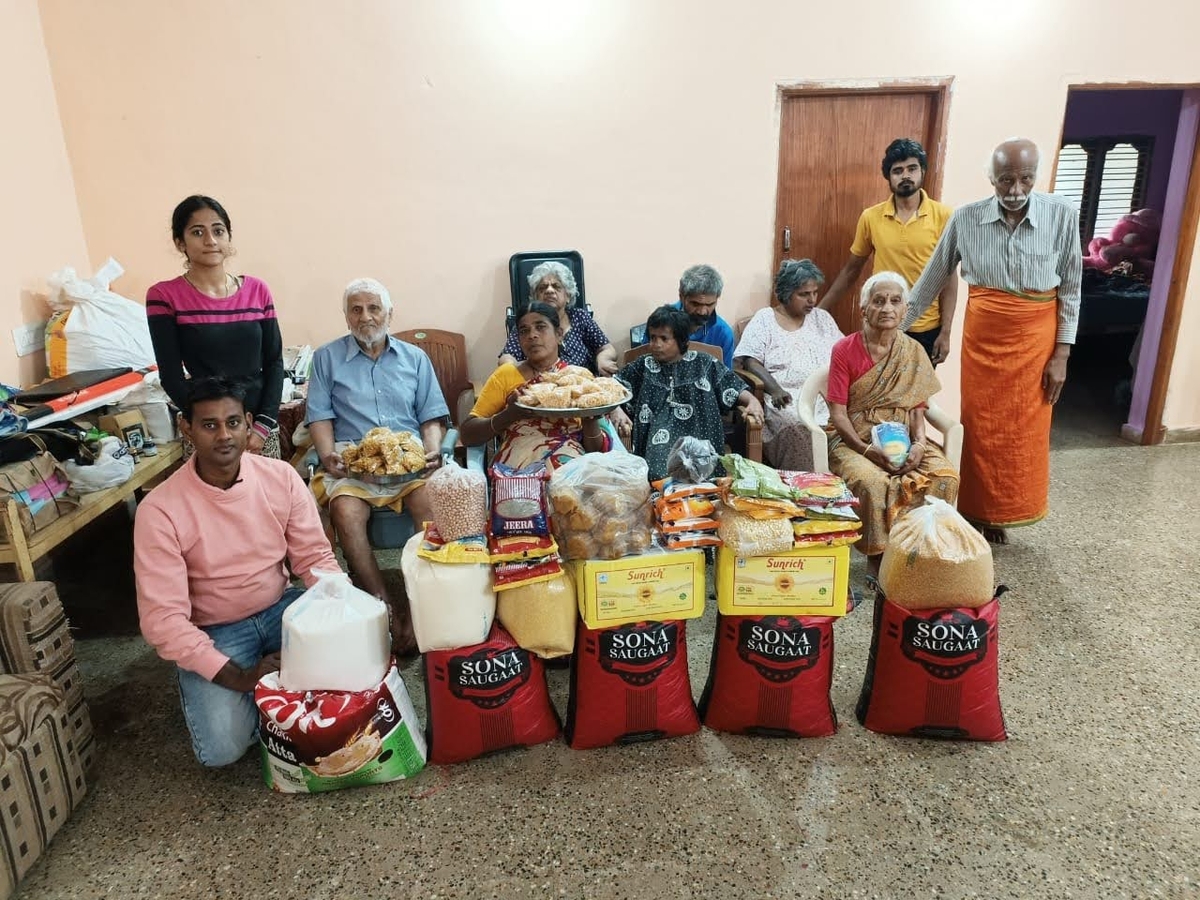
x,y
902,232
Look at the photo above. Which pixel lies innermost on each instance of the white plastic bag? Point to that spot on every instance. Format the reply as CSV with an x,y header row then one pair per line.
x,y
151,400
452,605
114,466
92,327
335,638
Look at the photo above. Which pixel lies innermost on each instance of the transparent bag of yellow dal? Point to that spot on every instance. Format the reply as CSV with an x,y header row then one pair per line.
x,y
935,558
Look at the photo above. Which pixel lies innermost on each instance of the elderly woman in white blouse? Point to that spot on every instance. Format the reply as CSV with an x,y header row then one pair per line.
x,y
783,345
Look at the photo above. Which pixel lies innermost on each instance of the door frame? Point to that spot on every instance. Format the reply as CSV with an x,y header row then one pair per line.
x,y
938,86
1153,431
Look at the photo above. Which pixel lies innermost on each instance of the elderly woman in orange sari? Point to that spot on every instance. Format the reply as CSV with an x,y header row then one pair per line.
x,y
876,375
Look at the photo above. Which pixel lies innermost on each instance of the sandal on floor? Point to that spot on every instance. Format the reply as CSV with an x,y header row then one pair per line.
x,y
995,535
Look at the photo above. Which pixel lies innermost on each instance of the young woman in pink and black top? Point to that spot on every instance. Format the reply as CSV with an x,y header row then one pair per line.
x,y
211,322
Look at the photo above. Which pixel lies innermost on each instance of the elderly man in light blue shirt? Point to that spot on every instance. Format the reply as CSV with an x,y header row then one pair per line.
x,y
363,380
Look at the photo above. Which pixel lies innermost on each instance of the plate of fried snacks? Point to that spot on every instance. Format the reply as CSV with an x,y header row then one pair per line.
x,y
384,456
572,392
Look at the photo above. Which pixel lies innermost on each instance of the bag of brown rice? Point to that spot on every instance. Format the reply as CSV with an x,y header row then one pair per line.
x,y
936,559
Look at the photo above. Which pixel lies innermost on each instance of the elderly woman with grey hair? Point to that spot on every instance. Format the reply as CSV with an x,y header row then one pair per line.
x,y
783,345
583,342
877,375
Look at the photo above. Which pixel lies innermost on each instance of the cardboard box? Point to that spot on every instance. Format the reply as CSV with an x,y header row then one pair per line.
x,y
650,587
129,426
808,582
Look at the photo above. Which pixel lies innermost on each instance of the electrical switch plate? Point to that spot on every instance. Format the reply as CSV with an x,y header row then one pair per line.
x,y
29,338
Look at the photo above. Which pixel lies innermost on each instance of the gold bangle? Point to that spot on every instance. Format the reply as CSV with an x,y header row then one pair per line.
x,y
492,423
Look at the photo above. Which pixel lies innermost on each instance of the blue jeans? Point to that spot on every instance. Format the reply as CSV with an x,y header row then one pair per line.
x,y
224,723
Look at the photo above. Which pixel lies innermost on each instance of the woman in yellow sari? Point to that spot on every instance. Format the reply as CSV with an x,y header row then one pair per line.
x,y
877,375
526,438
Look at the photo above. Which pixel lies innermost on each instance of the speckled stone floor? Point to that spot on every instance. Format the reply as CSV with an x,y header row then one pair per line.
x,y
1096,794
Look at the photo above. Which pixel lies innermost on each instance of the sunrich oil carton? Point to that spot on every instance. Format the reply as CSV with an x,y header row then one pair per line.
x,y
650,587
808,582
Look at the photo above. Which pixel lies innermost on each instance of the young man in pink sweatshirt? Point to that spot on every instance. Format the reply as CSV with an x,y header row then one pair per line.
x,y
210,545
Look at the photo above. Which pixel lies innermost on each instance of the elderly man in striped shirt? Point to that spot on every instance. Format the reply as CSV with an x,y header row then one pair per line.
x,y
1020,255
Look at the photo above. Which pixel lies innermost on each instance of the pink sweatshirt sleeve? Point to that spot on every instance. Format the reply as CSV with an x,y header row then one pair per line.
x,y
308,547
164,604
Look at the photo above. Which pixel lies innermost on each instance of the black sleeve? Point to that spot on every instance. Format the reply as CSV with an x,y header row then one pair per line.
x,y
164,336
272,374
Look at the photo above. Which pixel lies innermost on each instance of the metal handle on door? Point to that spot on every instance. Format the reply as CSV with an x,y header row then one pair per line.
x,y
787,238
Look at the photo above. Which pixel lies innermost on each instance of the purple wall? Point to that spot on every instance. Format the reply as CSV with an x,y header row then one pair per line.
x,y
1180,162
1119,113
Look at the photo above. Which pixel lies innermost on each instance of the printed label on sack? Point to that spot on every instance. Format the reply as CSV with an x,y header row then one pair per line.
x,y
779,647
488,677
784,581
638,654
947,644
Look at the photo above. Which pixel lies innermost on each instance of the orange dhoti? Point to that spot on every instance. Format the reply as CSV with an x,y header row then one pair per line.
x,y
1007,341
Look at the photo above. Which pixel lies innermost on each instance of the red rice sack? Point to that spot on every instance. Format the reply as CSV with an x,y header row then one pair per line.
x,y
484,698
933,673
770,676
629,683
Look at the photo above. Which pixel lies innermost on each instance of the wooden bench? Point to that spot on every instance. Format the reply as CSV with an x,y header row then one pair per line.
x,y
23,550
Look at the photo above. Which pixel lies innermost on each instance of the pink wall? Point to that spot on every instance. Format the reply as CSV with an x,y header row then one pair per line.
x,y
424,142
40,228
1124,113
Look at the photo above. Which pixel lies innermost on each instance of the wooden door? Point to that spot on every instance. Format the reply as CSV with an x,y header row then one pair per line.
x,y
831,145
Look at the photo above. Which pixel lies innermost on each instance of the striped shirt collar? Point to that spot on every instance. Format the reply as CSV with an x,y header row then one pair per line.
x,y
994,212
889,208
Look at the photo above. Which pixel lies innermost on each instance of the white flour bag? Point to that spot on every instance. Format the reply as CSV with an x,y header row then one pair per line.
x,y
335,638
452,605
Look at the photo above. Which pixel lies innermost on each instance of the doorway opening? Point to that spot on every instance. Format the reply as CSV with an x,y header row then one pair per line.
x,y
1125,160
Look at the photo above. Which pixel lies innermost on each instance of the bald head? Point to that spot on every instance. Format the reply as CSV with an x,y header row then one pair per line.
x,y
1014,170
1015,152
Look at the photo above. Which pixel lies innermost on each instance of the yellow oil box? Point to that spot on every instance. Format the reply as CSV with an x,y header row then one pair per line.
x,y
808,582
651,587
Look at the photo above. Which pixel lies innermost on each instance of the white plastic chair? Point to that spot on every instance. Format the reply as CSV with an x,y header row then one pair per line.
x,y
818,383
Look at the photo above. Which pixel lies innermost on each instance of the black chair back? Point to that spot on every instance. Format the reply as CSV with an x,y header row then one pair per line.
x,y
519,267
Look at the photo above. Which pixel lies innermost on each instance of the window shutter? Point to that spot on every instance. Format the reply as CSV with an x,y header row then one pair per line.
x,y
1104,178
1072,173
1121,186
